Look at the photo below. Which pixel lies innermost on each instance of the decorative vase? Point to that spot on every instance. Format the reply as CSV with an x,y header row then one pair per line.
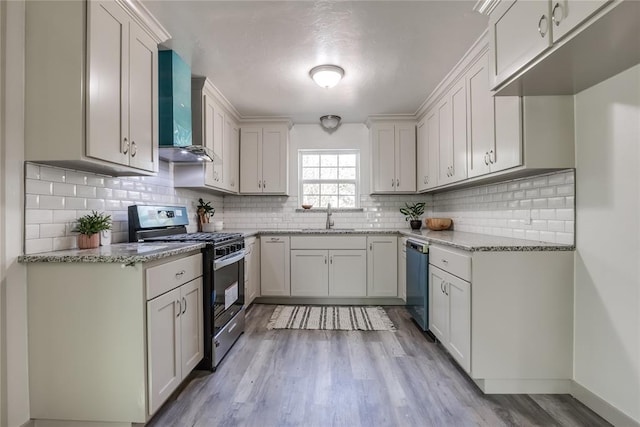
x,y
416,224
88,241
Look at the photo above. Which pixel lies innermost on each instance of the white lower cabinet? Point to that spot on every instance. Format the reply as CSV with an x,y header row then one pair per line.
x,y
333,273
402,268
450,313
274,266
136,331
382,266
174,339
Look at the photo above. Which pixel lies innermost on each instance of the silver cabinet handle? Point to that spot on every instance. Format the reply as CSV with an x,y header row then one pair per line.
x,y
184,309
259,184
134,149
393,182
125,146
179,274
553,14
397,183
427,180
492,156
275,239
370,246
264,183
424,180
179,308
486,159
330,260
445,288
543,18
442,287
325,260
445,261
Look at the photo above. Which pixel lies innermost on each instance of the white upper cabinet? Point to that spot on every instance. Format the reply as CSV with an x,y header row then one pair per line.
x,y
98,109
519,31
264,159
452,135
525,34
393,157
215,128
490,150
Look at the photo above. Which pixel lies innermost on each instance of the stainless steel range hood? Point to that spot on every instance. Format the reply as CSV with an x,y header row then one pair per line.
x,y
174,110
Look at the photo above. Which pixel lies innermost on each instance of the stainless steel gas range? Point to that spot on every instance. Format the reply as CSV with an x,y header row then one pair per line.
x,y
223,275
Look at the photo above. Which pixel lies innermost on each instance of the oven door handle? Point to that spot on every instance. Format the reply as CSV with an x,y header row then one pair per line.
x,y
228,260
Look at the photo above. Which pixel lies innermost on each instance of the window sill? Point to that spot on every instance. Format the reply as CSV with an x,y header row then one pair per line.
x,y
332,210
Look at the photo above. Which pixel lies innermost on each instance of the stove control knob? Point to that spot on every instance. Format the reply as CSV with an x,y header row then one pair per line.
x,y
220,252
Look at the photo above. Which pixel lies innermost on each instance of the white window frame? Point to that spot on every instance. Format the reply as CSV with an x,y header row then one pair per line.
x,y
337,151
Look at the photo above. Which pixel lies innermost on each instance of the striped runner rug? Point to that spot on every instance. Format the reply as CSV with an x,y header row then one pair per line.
x,y
342,318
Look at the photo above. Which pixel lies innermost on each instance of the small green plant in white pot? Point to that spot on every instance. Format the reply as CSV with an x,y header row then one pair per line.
x,y
412,213
89,226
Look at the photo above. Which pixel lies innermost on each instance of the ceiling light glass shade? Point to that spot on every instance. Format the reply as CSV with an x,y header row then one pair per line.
x,y
330,122
326,76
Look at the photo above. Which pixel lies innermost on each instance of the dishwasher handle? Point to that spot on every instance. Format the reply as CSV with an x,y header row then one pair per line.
x,y
418,246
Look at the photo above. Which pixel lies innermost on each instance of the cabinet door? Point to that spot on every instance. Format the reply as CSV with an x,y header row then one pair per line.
x,y
459,338
508,133
382,266
405,157
108,89
347,273
227,176
519,30
218,146
480,119
422,155
445,140
252,272
433,138
143,100
402,269
163,347
234,158
274,266
192,335
568,14
438,304
251,160
310,273
383,175
208,113
275,157
459,132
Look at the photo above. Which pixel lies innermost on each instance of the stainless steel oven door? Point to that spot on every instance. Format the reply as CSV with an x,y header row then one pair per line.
x,y
227,297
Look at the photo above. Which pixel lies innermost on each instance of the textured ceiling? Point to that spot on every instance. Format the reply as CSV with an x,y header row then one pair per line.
x,y
259,53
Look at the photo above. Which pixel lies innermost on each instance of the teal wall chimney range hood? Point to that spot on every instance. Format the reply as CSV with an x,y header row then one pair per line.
x,y
174,111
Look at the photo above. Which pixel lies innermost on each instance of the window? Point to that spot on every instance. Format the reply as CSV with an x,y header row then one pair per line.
x,y
329,176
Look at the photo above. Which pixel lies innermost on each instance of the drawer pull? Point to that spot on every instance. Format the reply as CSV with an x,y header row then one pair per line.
x,y
445,261
179,308
184,309
542,32
179,274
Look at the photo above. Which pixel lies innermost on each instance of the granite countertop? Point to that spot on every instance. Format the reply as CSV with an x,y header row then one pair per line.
x,y
456,239
125,253
484,243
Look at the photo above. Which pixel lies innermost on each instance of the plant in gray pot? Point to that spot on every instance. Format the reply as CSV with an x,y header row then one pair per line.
x,y
412,213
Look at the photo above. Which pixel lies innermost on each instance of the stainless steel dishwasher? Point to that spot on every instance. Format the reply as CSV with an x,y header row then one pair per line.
x,y
418,282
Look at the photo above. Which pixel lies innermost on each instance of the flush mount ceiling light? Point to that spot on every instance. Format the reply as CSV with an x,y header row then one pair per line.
x,y
330,122
326,76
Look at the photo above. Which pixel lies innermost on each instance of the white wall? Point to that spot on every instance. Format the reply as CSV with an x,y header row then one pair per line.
x,y
13,360
607,269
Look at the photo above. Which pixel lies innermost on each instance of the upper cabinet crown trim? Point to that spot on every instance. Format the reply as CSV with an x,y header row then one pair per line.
x,y
145,19
205,84
266,120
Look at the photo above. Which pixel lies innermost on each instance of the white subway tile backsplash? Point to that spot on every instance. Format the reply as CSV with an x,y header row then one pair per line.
x,y
565,214
51,202
32,171
96,204
33,246
73,177
38,216
64,216
31,231
32,201
75,203
63,243
86,191
50,173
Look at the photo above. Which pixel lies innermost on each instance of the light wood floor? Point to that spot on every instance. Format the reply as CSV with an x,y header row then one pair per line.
x,y
334,378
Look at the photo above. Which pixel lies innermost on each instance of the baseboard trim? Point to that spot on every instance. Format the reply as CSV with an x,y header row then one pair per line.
x,y
602,407
523,386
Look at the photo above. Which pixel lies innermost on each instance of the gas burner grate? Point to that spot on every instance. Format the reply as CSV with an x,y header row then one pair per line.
x,y
201,237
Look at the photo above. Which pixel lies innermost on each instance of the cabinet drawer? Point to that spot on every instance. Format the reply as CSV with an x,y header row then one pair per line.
x,y
163,278
454,261
328,242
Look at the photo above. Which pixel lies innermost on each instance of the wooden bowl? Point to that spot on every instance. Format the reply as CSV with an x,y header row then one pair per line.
x,y
307,206
437,224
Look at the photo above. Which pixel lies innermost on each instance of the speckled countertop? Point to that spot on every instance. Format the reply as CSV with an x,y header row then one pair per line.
x,y
125,253
456,239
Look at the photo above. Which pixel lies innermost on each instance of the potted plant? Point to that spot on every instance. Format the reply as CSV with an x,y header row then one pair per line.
x,y
412,213
89,226
205,212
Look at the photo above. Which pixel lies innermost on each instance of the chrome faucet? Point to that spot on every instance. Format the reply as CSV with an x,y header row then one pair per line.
x,y
329,220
